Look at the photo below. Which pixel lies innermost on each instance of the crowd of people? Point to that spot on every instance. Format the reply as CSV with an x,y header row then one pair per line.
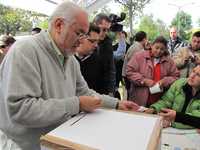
x,y
52,75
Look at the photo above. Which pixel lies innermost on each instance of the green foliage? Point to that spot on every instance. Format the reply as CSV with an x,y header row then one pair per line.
x,y
17,20
43,24
191,32
133,8
13,20
183,22
104,10
162,28
153,28
126,22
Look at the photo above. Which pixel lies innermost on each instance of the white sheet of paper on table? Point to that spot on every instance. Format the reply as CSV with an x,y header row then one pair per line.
x,y
183,138
108,130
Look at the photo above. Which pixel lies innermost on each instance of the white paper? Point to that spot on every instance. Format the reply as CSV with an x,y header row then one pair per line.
x,y
180,138
179,131
109,130
155,89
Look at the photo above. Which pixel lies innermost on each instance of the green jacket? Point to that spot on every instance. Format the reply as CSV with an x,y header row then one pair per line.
x,y
174,99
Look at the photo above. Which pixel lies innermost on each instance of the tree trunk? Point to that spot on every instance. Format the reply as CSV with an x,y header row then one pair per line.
x,y
131,18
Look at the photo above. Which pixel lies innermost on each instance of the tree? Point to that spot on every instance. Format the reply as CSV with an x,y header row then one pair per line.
x,y
135,7
13,20
16,20
43,24
153,28
183,22
104,10
162,28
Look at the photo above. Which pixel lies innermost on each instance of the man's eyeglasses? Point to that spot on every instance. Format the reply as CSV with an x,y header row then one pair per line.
x,y
93,40
81,35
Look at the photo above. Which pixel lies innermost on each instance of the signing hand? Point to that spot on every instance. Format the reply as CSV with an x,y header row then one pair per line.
x,y
89,103
128,106
168,114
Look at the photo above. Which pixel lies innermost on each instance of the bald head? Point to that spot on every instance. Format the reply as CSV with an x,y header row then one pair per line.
x,y
67,23
66,10
173,33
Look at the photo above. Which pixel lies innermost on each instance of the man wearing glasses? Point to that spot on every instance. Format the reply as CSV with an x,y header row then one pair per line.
x,y
41,85
87,57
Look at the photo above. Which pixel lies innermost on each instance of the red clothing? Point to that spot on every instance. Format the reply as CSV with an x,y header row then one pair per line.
x,y
156,77
140,67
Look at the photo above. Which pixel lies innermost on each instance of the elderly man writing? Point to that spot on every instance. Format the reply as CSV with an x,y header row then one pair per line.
x,y
40,81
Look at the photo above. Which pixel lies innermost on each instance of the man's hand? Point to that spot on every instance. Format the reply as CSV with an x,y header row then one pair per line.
x,y
149,82
89,103
128,106
149,111
168,114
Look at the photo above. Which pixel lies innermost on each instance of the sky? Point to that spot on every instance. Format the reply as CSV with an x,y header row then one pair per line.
x,y
161,9
167,9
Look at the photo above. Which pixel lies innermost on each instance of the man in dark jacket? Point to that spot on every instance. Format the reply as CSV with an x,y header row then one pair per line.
x,y
104,57
97,67
88,58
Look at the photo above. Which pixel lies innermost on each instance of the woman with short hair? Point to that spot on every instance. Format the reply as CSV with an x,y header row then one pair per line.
x,y
151,69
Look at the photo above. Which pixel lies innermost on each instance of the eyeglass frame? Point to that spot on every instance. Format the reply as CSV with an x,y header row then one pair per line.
x,y
93,40
79,34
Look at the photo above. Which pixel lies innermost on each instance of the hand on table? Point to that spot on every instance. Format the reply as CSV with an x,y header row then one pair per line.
x,y
128,106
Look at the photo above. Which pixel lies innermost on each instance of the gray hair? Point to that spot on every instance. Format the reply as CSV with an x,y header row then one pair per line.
x,y
66,10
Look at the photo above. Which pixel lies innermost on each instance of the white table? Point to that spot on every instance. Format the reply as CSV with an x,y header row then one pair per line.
x,y
176,139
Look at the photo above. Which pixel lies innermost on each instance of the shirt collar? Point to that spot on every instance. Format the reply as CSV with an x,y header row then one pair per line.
x,y
57,50
188,89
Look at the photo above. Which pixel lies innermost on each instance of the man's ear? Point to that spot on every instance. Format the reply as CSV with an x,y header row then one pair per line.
x,y
58,25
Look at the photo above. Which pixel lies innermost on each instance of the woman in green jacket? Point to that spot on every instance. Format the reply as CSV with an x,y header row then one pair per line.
x,y
183,96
